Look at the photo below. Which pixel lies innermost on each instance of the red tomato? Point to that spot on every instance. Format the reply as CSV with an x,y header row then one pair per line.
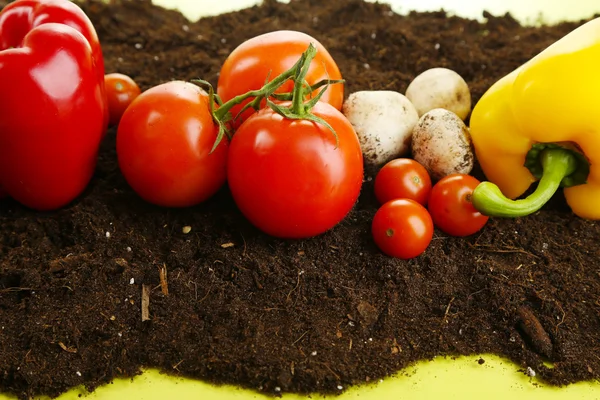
x,y
402,178
451,208
163,144
3,193
121,90
287,176
402,228
267,56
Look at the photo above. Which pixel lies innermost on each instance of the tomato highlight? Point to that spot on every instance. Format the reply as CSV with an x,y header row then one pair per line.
x,y
451,208
295,168
164,143
289,177
402,178
402,228
121,90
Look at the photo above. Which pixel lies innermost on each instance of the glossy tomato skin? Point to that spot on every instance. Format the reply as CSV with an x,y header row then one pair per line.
x,y
267,56
451,208
403,178
121,90
287,176
163,144
402,228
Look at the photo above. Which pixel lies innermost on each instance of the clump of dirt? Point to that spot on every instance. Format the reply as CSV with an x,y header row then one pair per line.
x,y
296,316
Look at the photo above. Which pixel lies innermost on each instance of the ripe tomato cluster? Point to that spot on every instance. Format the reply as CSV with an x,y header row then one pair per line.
x,y
273,130
411,207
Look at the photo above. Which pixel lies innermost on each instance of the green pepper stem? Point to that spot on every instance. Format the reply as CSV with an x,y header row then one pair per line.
x,y
557,163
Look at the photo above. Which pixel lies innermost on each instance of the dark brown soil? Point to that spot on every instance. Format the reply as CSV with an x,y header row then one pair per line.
x,y
301,316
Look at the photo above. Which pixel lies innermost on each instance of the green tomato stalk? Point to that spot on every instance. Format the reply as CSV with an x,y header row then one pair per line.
x,y
299,109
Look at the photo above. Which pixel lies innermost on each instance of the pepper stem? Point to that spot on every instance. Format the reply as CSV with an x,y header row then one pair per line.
x,y
557,163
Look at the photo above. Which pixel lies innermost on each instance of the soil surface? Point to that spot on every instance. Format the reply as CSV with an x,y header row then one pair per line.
x,y
281,316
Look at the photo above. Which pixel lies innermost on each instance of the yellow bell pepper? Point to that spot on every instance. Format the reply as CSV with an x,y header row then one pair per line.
x,y
542,122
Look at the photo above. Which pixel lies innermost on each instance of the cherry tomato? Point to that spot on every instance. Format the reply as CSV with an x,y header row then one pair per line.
x,y
121,90
288,177
402,228
402,178
163,145
266,56
451,208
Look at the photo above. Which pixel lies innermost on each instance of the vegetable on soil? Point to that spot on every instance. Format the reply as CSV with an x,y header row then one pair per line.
x,y
121,90
249,310
384,121
402,178
442,144
541,123
164,142
402,228
263,57
295,168
53,108
440,88
451,207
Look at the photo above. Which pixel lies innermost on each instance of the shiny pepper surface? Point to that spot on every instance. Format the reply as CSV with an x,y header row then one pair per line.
x,y
53,108
542,123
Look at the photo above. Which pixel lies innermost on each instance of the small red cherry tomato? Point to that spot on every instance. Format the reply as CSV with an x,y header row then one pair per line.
x,y
403,178
402,228
120,92
451,208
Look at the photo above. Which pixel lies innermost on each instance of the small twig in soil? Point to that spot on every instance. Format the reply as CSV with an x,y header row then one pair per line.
x,y
177,365
330,370
209,288
27,359
16,289
477,292
67,349
245,246
300,338
505,280
195,288
145,303
257,280
164,286
505,249
445,320
206,295
295,287
562,320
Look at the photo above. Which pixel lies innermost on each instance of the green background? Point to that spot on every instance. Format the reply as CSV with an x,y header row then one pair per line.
x,y
443,378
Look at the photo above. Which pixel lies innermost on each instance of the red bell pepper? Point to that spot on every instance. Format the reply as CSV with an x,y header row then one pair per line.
x,y
53,108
